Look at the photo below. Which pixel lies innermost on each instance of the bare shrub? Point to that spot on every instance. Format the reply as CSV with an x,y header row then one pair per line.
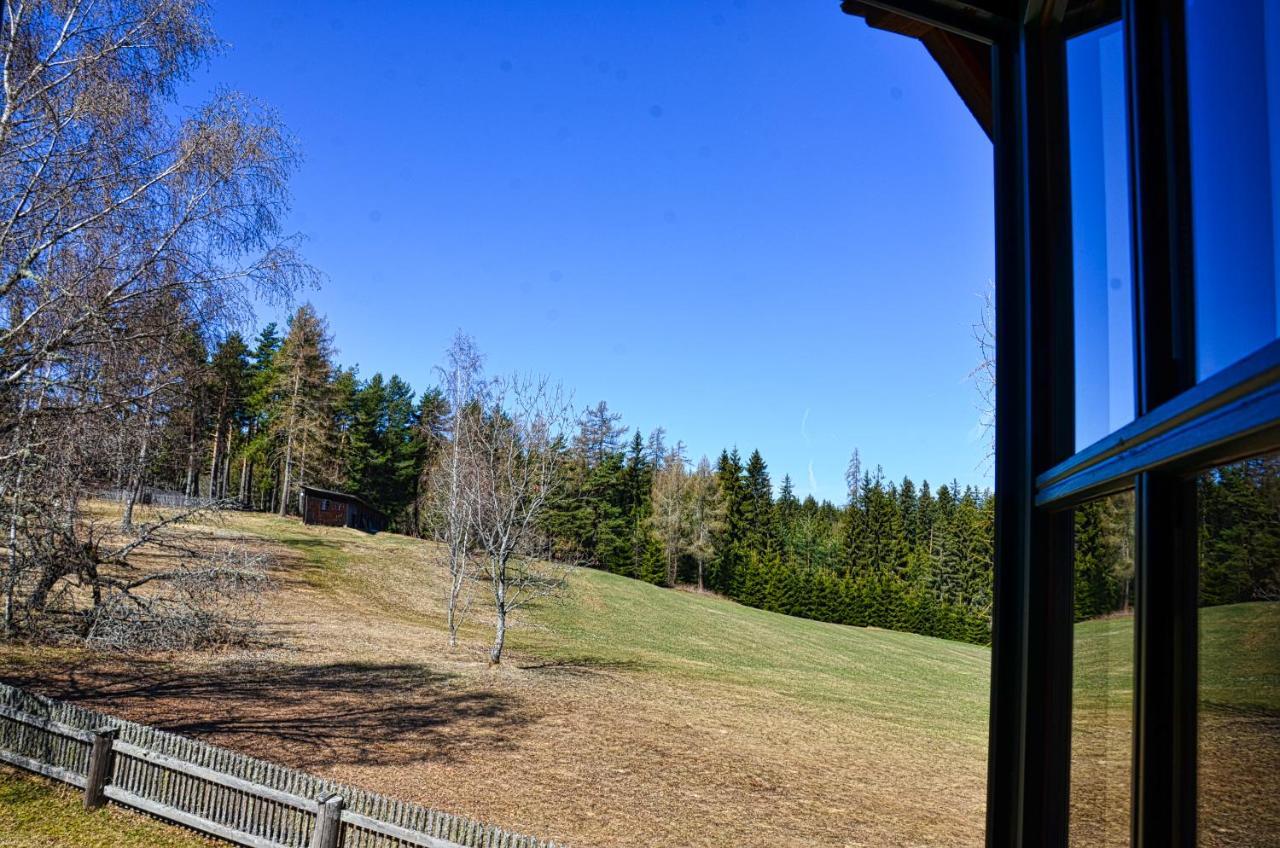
x,y
161,586
209,603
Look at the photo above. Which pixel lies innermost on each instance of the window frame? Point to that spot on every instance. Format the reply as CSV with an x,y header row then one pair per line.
x,y
1180,427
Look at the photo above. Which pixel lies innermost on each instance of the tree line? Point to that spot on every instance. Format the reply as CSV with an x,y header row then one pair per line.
x,y
265,418
257,420
894,554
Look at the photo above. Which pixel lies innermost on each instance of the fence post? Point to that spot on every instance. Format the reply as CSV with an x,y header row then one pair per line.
x,y
99,766
328,823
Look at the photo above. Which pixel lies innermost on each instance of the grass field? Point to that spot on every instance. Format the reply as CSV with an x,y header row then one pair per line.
x,y
38,813
1239,728
625,714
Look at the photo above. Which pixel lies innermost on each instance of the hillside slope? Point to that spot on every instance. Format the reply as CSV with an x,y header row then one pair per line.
x,y
629,714
683,717
625,714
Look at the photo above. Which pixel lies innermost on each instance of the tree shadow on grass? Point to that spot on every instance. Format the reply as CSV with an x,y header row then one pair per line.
x,y
307,716
582,666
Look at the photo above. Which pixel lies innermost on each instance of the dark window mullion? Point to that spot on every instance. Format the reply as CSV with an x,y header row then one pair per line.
x,y
1164,775
1031,665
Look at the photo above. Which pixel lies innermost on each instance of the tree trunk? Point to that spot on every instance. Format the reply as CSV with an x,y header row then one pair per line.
x,y
135,484
457,518
214,460
699,574
225,486
499,636
288,447
455,590
11,577
190,490
284,479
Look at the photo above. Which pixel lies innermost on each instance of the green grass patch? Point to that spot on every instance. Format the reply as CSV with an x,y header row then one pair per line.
x,y
908,679
1239,659
38,813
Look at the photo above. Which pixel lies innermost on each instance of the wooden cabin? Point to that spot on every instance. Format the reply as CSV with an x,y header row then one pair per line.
x,y
339,509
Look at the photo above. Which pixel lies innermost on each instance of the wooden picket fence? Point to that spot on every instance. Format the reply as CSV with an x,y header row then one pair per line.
x,y
167,498
219,792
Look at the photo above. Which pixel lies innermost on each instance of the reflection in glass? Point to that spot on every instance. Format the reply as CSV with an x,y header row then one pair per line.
x,y
1102,673
1233,78
1100,233
1239,757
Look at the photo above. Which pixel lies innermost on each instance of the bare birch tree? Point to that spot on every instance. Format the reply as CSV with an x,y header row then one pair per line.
x,y
466,394
670,517
516,463
706,517
119,225
984,373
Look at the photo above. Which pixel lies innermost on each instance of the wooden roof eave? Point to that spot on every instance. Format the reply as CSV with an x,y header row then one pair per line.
x,y
965,62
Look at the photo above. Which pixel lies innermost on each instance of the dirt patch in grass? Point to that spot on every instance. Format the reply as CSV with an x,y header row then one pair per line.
x,y
587,755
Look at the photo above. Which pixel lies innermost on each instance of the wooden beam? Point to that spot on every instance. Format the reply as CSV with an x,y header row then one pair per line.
x,y
965,61
328,829
967,65
987,22
888,21
99,772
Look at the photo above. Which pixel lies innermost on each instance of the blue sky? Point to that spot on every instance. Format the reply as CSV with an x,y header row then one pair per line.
x,y
752,223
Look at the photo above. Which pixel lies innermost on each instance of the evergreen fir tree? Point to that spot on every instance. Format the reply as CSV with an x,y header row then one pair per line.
x,y
757,507
730,546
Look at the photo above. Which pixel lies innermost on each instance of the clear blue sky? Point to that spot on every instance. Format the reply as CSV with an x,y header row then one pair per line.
x,y
752,223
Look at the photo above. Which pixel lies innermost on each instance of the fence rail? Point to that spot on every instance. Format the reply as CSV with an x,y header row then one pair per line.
x,y
157,497
216,791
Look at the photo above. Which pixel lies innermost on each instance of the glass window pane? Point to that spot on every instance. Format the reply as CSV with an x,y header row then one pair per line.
x,y
1100,233
1233,77
1239,769
1102,673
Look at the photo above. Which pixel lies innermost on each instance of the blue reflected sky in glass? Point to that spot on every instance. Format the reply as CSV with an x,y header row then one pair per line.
x,y
1233,75
1100,234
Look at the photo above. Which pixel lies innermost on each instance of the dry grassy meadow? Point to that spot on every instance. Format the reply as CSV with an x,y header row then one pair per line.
x,y
625,715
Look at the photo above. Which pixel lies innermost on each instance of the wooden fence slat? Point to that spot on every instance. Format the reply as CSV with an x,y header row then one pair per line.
x,y
194,822
213,776
46,724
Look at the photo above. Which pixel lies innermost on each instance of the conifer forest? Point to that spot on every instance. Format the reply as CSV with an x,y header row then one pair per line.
x,y
259,417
